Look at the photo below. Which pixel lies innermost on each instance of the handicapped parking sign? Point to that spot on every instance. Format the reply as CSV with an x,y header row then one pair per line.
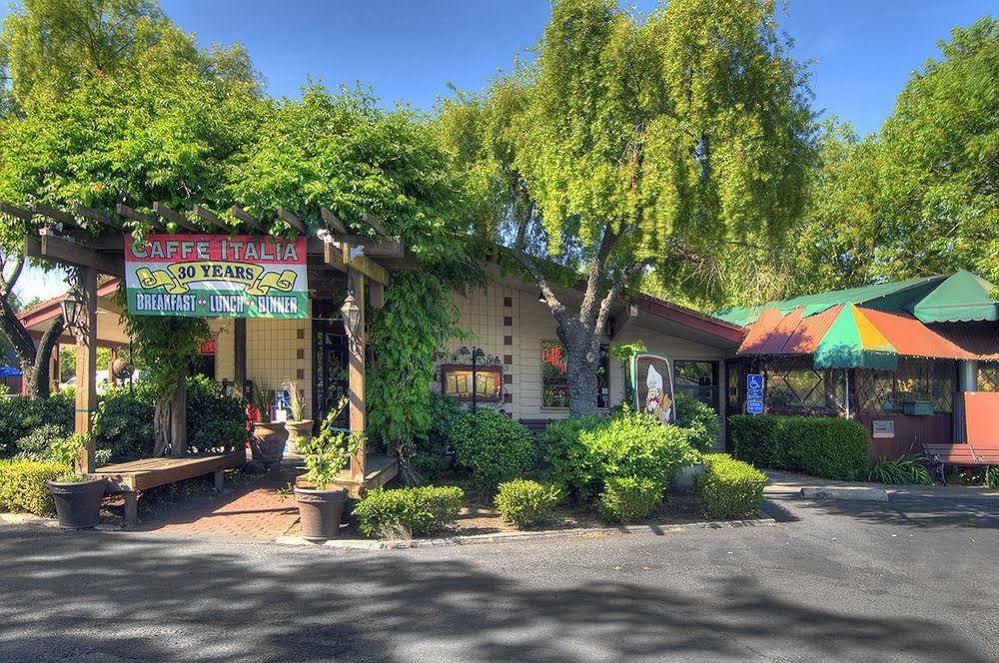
x,y
754,393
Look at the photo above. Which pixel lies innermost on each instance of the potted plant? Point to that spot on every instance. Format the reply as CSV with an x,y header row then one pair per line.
x,y
299,428
320,506
268,438
77,496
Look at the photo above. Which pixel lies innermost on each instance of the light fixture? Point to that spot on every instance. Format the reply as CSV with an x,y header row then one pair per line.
x,y
71,307
351,314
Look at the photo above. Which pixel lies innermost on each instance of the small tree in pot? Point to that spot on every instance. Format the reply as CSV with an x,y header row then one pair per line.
x,y
319,505
299,428
77,496
269,437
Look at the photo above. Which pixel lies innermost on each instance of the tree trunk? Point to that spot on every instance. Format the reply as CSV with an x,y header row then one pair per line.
x,y
581,364
162,416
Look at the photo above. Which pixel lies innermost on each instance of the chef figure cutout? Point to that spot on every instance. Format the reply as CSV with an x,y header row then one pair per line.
x,y
654,394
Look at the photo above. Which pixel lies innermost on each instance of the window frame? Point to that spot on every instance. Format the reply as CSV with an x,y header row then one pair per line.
x,y
479,370
603,377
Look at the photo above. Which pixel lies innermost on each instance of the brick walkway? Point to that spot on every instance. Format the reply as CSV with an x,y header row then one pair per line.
x,y
256,511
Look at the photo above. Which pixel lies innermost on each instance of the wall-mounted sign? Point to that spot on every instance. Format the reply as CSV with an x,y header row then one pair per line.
x,y
881,429
211,276
652,385
754,393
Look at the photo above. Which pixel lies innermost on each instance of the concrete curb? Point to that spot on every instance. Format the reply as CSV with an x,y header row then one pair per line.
x,y
502,537
858,493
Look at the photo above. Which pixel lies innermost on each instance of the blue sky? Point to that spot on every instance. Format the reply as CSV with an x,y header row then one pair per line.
x,y
863,51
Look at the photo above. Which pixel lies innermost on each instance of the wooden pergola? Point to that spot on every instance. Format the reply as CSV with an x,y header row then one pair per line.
x,y
92,243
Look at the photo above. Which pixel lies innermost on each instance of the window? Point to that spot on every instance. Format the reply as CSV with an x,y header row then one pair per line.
x,y
698,379
456,380
555,376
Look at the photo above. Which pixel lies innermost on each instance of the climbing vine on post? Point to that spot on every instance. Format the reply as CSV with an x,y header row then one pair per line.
x,y
416,322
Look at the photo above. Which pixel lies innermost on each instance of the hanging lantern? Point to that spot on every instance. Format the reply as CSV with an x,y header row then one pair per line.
x,y
351,315
71,305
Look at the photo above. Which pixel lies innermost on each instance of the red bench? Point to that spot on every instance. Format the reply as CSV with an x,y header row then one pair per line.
x,y
981,411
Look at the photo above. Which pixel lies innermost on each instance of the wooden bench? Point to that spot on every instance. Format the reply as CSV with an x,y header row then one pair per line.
x,y
136,476
982,431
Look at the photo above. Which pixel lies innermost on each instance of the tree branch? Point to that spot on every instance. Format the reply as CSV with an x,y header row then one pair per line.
x,y
615,291
554,303
587,313
7,283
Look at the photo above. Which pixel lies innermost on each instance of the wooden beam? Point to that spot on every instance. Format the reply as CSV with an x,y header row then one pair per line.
x,y
356,376
129,213
375,224
239,358
17,212
354,258
68,252
377,295
293,221
248,219
86,366
333,256
173,216
209,216
58,216
178,421
335,224
97,216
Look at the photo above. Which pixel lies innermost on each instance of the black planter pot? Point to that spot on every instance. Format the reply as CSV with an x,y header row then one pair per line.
x,y
78,505
320,512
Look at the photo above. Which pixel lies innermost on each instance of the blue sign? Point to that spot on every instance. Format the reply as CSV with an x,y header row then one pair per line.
x,y
754,393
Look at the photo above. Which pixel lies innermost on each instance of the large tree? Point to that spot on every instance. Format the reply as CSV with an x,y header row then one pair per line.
x,y
921,196
636,144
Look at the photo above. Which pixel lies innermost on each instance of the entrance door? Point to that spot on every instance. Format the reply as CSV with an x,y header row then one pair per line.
x,y
329,368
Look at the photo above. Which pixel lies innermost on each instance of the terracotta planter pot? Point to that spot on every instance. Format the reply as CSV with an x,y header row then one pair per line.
x,y
267,443
78,505
298,430
320,512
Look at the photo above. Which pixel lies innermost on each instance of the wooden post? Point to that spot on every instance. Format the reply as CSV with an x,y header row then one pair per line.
x,y
55,370
112,378
178,421
239,364
355,343
86,364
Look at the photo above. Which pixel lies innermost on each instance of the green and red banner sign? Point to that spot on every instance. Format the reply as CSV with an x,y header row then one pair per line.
x,y
211,276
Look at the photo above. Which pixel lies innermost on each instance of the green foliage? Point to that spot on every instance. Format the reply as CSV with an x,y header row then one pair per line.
x,y
416,321
992,477
729,488
216,423
628,499
36,445
434,453
494,447
826,447
420,511
124,422
699,419
23,486
582,453
19,417
900,471
328,453
526,503
922,196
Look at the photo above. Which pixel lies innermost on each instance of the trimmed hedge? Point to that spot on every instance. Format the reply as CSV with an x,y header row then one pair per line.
x,y
584,452
493,447
628,499
526,503
421,511
729,488
23,488
20,416
826,447
699,419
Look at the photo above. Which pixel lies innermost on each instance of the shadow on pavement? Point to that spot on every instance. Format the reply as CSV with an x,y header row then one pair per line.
x,y
920,512
95,597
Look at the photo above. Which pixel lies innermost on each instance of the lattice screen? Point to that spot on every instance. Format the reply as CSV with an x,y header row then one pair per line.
x,y
794,386
988,376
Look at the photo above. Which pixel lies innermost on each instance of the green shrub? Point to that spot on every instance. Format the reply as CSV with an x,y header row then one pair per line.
x,y
493,447
421,511
729,488
124,422
36,444
526,503
699,419
900,471
992,477
582,453
23,488
434,454
20,416
216,423
629,499
826,447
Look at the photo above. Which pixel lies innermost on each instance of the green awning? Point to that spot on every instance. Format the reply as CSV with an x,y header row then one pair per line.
x,y
963,297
